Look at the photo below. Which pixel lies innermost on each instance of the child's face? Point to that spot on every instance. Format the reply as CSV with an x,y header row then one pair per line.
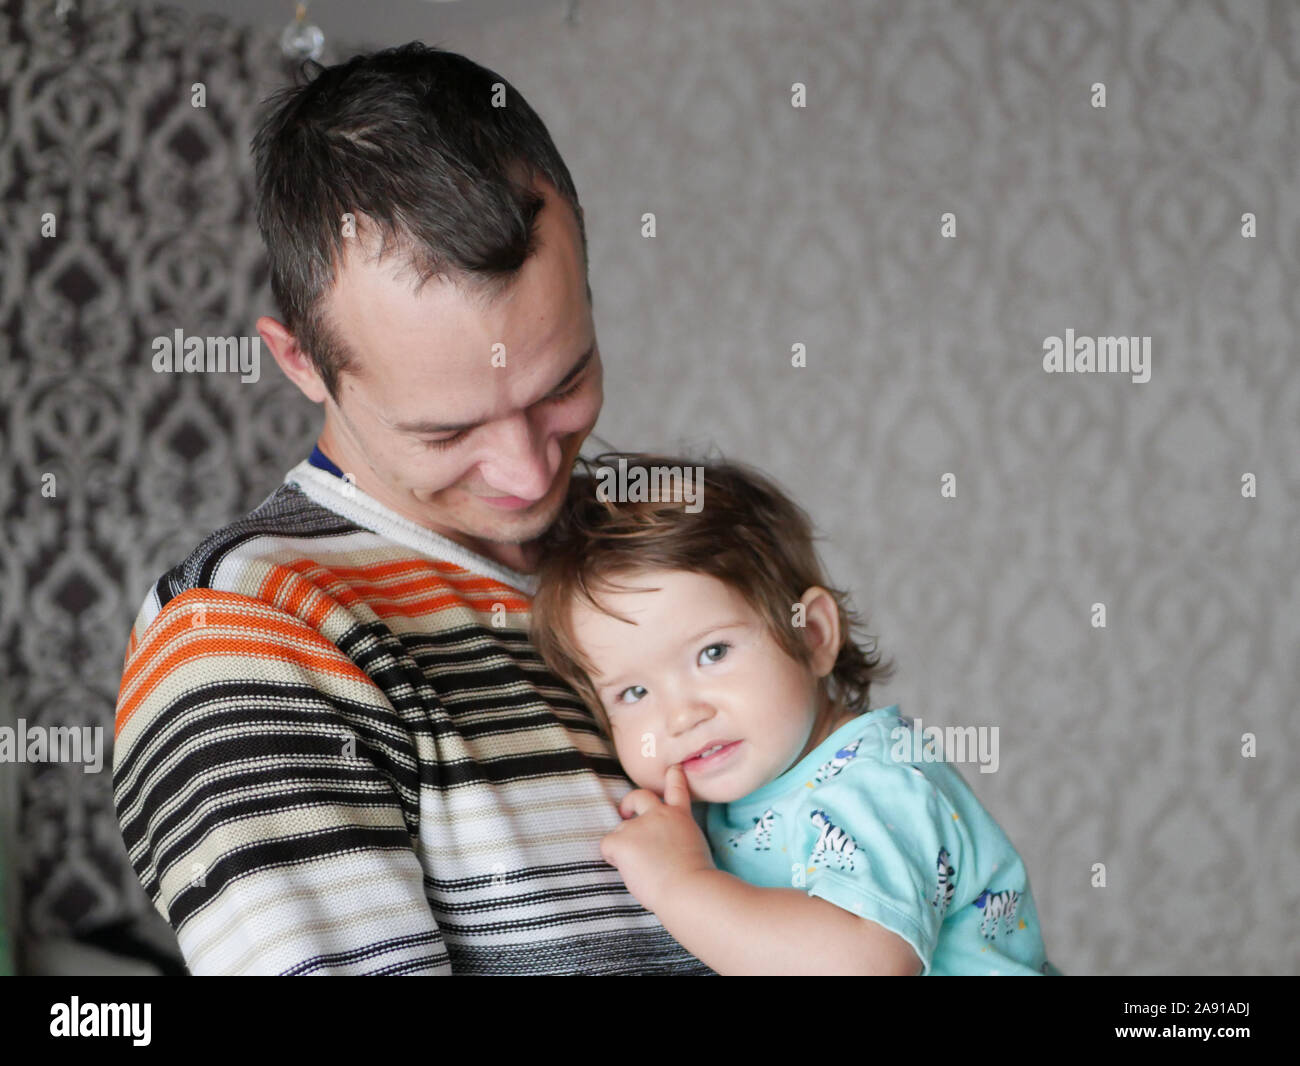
x,y
697,669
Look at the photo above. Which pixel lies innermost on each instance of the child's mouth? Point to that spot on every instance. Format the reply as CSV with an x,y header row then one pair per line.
x,y
711,757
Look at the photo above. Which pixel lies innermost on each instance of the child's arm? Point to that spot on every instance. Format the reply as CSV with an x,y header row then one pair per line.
x,y
740,929
732,926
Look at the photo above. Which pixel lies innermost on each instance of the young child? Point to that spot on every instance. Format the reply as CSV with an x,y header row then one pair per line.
x,y
712,652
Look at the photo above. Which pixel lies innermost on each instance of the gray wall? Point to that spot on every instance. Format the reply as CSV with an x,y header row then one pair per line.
x,y
777,226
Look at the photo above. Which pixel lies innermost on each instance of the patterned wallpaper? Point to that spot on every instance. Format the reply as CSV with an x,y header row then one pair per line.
x,y
776,225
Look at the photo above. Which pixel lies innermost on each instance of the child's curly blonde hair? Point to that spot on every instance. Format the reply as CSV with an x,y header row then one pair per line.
x,y
748,534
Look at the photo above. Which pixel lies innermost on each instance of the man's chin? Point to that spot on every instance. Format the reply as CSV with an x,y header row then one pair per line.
x,y
516,527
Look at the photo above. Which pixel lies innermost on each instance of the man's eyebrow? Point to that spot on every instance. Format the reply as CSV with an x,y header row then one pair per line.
x,y
453,427
602,685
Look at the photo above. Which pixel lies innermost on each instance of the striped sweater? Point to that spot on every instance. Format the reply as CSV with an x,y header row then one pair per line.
x,y
336,752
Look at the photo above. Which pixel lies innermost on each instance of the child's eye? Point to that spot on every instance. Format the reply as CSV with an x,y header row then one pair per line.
x,y
721,644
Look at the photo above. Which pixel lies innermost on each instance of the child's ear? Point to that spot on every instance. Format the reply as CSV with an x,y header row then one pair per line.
x,y
822,629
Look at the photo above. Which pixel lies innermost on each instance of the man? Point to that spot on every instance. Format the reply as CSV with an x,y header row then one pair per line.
x,y
336,750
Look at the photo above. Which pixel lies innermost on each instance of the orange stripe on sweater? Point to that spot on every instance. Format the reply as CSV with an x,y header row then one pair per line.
x,y
423,592
414,571
160,653
238,612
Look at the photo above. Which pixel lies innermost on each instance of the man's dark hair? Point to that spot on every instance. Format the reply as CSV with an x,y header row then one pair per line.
x,y
408,141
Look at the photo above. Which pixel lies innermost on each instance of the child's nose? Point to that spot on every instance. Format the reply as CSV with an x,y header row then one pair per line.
x,y
690,712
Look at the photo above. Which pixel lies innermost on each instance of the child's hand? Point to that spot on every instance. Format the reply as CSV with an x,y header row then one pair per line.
x,y
659,845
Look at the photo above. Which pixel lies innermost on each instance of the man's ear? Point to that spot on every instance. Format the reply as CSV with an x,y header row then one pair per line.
x,y
295,363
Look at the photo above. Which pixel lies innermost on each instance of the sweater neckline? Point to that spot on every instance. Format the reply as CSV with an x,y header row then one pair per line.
x,y
326,489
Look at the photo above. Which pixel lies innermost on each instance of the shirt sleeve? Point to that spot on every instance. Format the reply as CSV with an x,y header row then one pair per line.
x,y
883,845
258,778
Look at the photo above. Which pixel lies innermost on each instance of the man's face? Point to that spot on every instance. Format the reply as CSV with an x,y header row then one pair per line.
x,y
522,375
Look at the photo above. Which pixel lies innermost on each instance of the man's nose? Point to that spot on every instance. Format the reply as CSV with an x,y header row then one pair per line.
x,y
523,464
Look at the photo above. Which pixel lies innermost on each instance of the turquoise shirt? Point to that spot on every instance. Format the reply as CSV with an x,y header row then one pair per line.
x,y
903,842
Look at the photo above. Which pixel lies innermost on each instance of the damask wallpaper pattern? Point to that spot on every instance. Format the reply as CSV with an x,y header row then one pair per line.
x,y
153,231
775,226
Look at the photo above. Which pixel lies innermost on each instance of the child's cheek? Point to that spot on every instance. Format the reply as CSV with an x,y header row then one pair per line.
x,y
643,764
